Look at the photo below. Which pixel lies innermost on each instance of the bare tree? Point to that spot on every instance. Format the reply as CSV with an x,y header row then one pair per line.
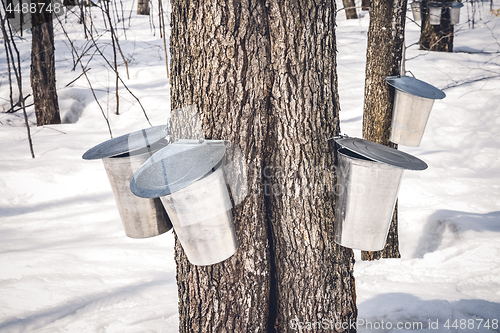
x,y
383,58
350,9
143,7
436,37
43,69
365,5
10,45
263,75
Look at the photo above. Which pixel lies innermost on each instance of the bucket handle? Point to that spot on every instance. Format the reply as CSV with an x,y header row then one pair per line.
x,y
341,136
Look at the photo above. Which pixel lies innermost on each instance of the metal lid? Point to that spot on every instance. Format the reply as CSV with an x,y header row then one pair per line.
x,y
176,166
380,153
415,87
435,4
127,143
456,5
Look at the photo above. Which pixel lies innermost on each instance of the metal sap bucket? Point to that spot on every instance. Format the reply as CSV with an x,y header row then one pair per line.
x,y
122,156
455,12
188,177
413,101
434,10
369,176
416,9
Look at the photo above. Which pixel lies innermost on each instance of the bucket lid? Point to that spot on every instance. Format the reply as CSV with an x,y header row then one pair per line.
x,y
176,166
435,4
127,143
415,87
380,153
456,5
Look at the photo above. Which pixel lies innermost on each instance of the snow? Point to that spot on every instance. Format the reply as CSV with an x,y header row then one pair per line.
x,y
67,266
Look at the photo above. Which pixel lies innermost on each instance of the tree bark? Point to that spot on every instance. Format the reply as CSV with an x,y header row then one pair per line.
x,y
436,37
383,58
350,9
43,69
143,7
365,5
263,75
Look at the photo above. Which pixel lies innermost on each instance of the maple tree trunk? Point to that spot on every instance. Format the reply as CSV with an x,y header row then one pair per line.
x,y
365,5
350,9
43,69
436,37
383,58
143,7
263,75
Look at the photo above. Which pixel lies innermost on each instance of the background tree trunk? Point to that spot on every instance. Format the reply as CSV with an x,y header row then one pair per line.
x,y
43,69
9,4
365,5
143,7
350,9
383,58
436,37
265,79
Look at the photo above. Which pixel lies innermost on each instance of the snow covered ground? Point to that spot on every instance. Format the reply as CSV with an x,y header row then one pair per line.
x,y
66,265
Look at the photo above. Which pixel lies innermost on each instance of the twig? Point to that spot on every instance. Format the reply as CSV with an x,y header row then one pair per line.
x,y
9,71
124,85
88,81
79,76
14,111
409,18
162,32
457,84
115,62
17,72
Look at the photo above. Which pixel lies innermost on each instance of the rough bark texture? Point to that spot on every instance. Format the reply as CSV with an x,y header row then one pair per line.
x,y
143,7
263,75
43,69
350,9
383,58
313,275
436,37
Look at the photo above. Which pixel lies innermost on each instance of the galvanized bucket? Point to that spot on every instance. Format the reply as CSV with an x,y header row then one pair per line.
x,y
367,191
202,219
416,9
188,176
122,156
434,11
455,12
413,103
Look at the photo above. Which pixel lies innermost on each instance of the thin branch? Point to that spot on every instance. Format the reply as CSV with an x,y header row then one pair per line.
x,y
457,84
117,75
79,76
17,72
162,32
124,85
88,80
